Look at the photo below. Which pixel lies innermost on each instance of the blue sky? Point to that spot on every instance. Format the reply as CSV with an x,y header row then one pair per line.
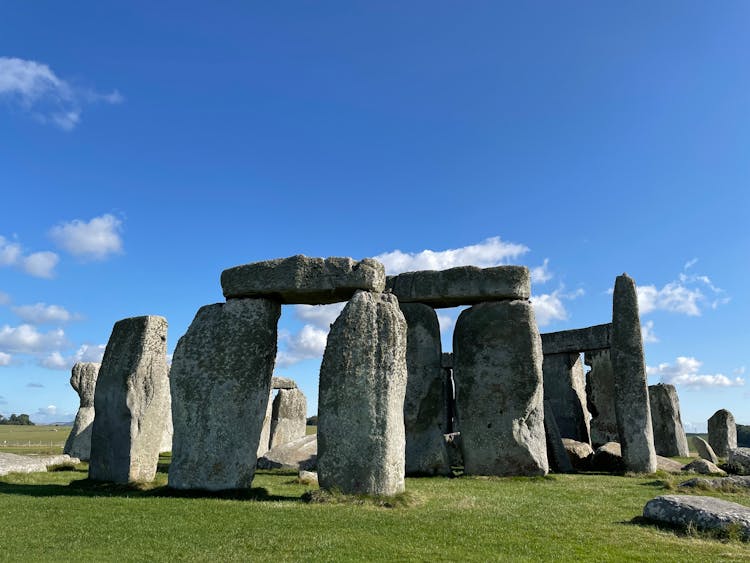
x,y
146,147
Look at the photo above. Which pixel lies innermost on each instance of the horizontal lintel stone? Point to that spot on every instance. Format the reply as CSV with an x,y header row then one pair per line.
x,y
587,339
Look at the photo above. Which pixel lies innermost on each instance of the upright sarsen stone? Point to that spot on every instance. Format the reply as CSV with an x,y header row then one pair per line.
x,y
361,398
425,402
669,435
131,402
565,390
288,417
497,369
83,380
629,368
722,432
264,442
221,381
600,398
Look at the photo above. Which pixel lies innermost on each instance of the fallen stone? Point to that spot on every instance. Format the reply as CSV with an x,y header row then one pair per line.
x,y
453,446
720,483
308,477
361,441
668,465
704,467
464,285
580,454
608,457
704,449
579,340
13,463
631,393
131,402
221,382
705,513
497,370
738,461
722,432
83,380
600,397
288,417
669,435
556,454
297,455
299,279
278,382
565,391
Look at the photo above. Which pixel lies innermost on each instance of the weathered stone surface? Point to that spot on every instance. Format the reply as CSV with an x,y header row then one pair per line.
x,y
669,435
447,360
166,437
308,477
704,467
12,463
720,483
565,390
278,382
302,453
668,465
580,454
465,285
557,457
361,442
631,393
704,449
299,279
425,402
600,395
131,402
722,432
738,461
288,417
705,513
497,358
221,382
608,457
264,441
597,337
83,380
455,451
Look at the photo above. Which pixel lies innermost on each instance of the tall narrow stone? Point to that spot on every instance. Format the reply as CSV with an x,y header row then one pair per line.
x,y
722,432
288,417
361,444
166,437
631,393
130,402
669,435
221,380
83,380
425,402
600,398
565,389
557,455
264,442
497,370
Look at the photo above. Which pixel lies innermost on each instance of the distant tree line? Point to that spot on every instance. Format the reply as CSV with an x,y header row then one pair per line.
x,y
743,435
17,420
313,420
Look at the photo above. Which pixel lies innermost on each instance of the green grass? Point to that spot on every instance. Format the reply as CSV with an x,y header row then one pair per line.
x,y
60,515
42,439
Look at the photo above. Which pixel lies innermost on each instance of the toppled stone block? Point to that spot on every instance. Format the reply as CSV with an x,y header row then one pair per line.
x,y
288,417
704,467
738,461
464,285
83,380
668,465
608,457
669,435
720,483
704,449
589,339
300,454
303,280
705,513
13,463
722,432
580,454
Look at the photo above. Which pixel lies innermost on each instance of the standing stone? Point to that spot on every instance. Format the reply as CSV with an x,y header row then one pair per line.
x,y
425,402
221,380
83,380
166,437
631,393
722,432
497,359
556,452
565,389
288,417
600,398
264,442
130,402
361,442
669,435
704,449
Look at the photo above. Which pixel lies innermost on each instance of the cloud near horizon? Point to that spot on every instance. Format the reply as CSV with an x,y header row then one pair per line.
x,y
686,372
689,294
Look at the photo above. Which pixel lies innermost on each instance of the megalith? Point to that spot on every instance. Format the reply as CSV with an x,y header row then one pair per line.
x,y
288,417
130,402
83,380
497,370
221,381
722,432
264,442
704,449
166,437
565,389
629,367
600,397
361,443
425,403
669,435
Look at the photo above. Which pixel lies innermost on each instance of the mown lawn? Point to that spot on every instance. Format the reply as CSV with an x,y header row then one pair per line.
x,y
60,516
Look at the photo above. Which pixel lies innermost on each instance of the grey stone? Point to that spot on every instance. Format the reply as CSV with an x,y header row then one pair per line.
x,y
704,467
580,454
361,442
556,454
221,382
13,463
447,360
704,449
131,402
722,432
608,457
600,398
425,402
454,449
308,477
718,484
497,356
464,285
278,382
668,465
264,440
669,435
288,417
705,513
166,437
589,339
302,453
738,461
631,393
83,380
299,279
565,389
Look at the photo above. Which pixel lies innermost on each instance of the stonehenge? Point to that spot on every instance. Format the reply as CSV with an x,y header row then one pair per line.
x,y
83,380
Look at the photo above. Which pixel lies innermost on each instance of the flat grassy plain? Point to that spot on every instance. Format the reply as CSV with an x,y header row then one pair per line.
x,y
33,439
61,516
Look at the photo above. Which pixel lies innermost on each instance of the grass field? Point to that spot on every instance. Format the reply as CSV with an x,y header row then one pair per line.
x,y
33,439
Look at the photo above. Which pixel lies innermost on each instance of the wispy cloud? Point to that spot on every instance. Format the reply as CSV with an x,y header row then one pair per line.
x,y
648,334
550,307
26,339
307,344
41,313
541,274
320,316
85,353
689,294
35,386
38,264
686,372
4,298
96,239
5,359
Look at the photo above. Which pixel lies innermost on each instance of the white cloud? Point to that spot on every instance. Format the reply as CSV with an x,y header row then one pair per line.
x,y
39,264
96,239
491,252
648,334
320,316
686,295
37,90
541,274
690,263
686,371
41,313
549,307
50,414
5,359
25,339
85,353
55,360
309,343
10,252
4,298
446,322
